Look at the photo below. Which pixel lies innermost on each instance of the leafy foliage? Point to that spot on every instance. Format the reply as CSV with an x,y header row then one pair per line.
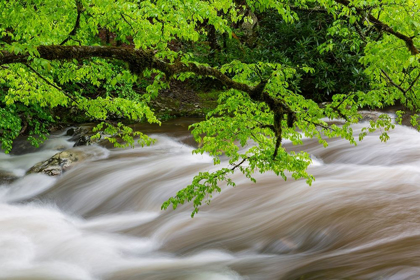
x,y
359,54
315,41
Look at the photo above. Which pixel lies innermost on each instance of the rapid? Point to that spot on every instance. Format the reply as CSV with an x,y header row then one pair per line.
x,y
102,219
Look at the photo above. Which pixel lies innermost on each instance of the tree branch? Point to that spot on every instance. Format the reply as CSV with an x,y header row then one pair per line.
x,y
139,60
383,26
392,82
126,21
50,83
239,164
80,9
413,83
308,10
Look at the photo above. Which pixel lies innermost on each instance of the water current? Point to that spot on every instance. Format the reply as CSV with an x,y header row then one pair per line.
x,y
102,219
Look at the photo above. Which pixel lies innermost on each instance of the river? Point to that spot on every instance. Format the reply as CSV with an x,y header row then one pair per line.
x,y
102,219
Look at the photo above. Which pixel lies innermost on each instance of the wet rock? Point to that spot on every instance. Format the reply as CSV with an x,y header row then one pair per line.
x,y
7,177
70,131
22,146
83,140
368,116
59,163
82,136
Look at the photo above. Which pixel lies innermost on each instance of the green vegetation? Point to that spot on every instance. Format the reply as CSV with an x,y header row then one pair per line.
x,y
269,63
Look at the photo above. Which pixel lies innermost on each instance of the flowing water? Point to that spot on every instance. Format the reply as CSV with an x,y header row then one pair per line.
x,y
102,219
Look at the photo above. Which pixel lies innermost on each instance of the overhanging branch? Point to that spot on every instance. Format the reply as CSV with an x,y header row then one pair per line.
x,y
139,60
51,83
404,91
383,26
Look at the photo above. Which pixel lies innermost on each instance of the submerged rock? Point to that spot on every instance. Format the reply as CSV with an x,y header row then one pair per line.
x,y
59,162
6,177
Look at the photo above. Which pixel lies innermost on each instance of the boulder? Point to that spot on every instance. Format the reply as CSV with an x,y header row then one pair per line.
x,y
59,162
71,131
7,177
368,116
82,135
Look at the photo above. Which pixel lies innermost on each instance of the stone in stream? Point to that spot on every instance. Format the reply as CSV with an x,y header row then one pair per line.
x,y
59,162
368,116
70,131
6,177
81,135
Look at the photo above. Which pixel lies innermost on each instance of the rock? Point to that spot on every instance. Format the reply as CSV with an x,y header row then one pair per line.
x,y
369,116
248,26
80,131
22,146
82,136
83,140
70,132
6,177
59,162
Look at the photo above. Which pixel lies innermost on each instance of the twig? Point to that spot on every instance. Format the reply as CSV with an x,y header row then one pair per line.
x,y
122,15
239,164
80,9
392,82
276,149
412,84
50,83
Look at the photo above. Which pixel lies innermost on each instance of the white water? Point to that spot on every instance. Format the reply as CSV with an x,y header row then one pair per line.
x,y
102,219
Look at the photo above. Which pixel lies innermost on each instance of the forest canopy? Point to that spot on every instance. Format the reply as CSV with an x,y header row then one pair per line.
x,y
282,69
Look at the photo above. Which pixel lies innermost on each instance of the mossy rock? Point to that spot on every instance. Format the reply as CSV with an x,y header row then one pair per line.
x,y
59,162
